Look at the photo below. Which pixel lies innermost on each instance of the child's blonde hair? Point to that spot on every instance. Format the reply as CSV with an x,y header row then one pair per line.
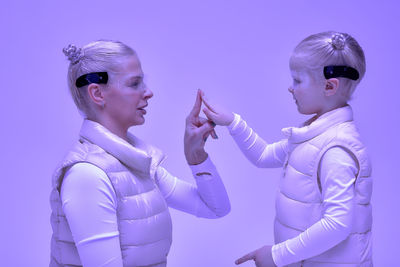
x,y
98,56
330,48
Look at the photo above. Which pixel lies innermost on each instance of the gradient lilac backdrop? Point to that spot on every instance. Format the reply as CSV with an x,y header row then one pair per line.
x,y
237,52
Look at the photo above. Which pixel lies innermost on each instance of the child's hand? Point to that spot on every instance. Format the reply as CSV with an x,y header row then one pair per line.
x,y
262,257
215,113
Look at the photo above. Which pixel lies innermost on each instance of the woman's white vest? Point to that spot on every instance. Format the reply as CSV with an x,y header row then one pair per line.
x,y
144,222
299,200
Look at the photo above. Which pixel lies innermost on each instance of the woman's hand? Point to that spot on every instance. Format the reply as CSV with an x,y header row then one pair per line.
x,y
196,133
216,113
262,257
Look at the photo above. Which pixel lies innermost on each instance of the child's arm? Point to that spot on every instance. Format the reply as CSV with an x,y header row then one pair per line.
x,y
338,172
256,150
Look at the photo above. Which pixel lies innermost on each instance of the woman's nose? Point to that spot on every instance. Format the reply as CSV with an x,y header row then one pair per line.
x,y
148,93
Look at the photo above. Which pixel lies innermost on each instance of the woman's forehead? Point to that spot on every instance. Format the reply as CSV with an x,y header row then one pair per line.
x,y
130,68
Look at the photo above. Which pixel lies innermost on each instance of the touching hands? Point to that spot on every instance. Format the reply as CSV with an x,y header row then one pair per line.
x,y
262,257
196,133
216,113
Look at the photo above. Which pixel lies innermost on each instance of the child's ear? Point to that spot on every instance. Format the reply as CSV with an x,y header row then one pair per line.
x,y
331,87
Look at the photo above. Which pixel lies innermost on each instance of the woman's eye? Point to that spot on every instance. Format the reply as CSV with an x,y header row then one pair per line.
x,y
135,84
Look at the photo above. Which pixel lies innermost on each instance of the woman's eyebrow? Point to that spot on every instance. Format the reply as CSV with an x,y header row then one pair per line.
x,y
134,78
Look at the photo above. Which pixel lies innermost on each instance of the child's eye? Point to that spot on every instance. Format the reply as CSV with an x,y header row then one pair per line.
x,y
296,81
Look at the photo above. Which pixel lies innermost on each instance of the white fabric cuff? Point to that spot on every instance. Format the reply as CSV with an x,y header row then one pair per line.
x,y
234,123
207,167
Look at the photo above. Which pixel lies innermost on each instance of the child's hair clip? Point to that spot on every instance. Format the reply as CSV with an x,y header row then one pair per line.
x,y
338,41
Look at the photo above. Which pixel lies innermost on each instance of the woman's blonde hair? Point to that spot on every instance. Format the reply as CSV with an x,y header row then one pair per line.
x,y
98,56
330,48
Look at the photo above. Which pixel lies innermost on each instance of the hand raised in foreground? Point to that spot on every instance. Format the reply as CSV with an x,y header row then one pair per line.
x,y
262,257
216,113
196,132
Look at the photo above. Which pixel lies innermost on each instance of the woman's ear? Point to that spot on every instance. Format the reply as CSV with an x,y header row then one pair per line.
x,y
331,87
96,94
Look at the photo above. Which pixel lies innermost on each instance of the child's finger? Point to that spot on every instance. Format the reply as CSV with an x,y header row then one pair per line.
x,y
203,120
210,115
205,129
245,258
206,101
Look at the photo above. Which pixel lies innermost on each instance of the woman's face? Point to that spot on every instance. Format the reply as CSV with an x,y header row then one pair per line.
x,y
307,92
127,95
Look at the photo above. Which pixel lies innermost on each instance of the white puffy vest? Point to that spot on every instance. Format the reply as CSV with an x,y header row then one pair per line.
x,y
144,222
299,200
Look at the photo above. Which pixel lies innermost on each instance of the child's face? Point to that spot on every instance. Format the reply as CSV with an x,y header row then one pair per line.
x,y
307,92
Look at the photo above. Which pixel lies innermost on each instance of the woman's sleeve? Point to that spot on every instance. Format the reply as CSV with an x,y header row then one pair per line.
x,y
89,203
338,172
256,150
207,199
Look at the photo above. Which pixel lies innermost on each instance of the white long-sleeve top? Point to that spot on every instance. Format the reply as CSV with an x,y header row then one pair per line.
x,y
337,174
90,203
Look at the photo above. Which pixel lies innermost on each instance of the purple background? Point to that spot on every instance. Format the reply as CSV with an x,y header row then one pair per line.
x,y
237,52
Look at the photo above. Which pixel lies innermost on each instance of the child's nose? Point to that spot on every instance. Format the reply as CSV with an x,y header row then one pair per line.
x,y
290,89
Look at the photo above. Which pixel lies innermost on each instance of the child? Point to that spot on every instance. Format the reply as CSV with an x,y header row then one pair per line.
x,y
323,210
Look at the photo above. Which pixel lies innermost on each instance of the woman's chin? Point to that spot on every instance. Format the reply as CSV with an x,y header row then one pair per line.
x,y
137,122
141,121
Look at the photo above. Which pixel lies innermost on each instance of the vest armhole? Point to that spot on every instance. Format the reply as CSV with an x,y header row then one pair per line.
x,y
321,155
66,168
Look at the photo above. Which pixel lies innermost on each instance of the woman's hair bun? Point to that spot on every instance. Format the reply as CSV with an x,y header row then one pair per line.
x,y
338,41
73,53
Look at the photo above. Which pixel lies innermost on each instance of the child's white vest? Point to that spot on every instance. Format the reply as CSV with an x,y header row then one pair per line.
x,y
144,222
299,200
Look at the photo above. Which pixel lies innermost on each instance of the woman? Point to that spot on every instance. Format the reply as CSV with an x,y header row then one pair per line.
x,y
110,195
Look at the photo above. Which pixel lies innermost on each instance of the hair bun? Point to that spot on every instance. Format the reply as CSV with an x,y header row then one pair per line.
x,y
73,53
338,41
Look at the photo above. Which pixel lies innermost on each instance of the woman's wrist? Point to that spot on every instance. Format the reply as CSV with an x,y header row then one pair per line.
x,y
196,157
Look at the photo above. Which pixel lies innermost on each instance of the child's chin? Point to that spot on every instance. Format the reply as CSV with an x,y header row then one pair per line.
x,y
304,112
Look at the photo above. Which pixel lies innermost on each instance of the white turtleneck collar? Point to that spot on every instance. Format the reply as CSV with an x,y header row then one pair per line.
x,y
320,125
136,154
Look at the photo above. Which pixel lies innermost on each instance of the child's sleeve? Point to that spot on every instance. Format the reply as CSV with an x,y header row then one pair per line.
x,y
256,150
338,171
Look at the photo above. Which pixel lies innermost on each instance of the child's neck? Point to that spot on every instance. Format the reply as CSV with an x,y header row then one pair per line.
x,y
322,112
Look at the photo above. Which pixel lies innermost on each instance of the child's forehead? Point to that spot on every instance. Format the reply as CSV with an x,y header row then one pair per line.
x,y
297,64
299,71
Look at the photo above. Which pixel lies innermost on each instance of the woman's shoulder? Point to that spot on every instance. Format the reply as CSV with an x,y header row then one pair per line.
x,y
86,176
